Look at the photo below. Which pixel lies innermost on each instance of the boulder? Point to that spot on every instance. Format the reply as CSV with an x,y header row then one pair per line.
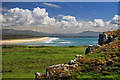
x,y
91,48
77,56
71,62
39,76
105,38
59,71
100,40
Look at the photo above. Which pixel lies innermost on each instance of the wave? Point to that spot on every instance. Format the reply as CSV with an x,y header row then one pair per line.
x,y
50,40
56,41
95,42
64,42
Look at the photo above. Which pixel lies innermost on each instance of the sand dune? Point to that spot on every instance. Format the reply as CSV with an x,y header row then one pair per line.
x,y
23,40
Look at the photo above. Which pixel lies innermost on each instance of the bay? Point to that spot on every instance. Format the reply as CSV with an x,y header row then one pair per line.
x,y
61,42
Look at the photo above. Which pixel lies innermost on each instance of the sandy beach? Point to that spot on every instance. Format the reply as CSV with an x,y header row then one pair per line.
x,y
23,40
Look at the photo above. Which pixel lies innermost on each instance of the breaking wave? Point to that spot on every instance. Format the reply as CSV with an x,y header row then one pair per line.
x,y
56,40
65,42
95,42
50,40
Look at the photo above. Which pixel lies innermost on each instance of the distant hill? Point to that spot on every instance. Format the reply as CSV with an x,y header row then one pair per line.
x,y
20,32
89,33
28,32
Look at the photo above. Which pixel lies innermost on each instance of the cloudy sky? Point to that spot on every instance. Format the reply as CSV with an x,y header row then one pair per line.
x,y
60,17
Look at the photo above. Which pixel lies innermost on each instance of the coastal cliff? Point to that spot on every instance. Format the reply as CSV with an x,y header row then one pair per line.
x,y
100,61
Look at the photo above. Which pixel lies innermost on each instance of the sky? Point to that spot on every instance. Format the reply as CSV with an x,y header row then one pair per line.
x,y
60,17
60,1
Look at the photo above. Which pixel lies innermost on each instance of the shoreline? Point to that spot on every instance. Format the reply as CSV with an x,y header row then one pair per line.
x,y
23,40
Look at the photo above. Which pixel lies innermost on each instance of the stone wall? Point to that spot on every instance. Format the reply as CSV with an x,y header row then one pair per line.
x,y
59,71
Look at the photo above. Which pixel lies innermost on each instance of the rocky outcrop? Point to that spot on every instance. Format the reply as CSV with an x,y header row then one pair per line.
x,y
91,48
106,38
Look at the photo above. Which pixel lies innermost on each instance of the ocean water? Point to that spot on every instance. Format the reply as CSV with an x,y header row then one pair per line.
x,y
63,42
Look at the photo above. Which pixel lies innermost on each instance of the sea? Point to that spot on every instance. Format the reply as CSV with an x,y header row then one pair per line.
x,y
61,42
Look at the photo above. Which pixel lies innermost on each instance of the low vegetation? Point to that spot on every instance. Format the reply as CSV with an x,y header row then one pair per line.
x,y
102,63
24,61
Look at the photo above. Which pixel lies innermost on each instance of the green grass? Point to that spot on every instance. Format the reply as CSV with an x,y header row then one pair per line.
x,y
24,61
95,76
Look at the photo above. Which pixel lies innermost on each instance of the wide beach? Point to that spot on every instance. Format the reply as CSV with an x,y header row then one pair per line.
x,y
23,40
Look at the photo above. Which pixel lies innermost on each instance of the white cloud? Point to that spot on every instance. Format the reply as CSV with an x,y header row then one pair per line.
x,y
72,22
1,18
20,17
52,5
98,22
115,17
39,19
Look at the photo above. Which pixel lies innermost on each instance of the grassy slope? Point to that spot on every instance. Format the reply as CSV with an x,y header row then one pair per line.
x,y
110,71
108,52
24,61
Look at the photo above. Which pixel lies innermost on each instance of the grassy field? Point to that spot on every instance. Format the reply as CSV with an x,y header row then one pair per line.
x,y
24,61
